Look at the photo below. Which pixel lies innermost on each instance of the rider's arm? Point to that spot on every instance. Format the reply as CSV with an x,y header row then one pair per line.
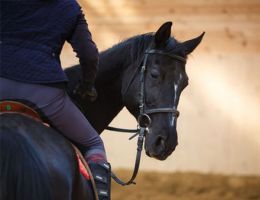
x,y
86,50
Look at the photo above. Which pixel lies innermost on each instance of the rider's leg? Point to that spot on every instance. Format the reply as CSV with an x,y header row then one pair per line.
x,y
61,112
66,118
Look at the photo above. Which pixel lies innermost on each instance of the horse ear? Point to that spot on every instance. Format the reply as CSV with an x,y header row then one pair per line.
x,y
190,45
163,34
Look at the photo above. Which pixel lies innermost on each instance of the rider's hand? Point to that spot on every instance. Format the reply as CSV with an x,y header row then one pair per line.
x,y
86,90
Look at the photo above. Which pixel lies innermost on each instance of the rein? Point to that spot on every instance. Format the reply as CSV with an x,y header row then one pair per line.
x,y
144,121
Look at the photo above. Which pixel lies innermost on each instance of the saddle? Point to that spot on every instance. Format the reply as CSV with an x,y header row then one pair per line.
x,y
8,106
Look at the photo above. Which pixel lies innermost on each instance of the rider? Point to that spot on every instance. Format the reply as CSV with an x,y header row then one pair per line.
x,y
33,33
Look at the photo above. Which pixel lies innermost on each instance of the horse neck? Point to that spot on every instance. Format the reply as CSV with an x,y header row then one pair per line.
x,y
115,70
109,84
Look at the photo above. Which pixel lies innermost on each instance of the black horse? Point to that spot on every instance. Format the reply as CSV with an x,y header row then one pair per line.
x,y
118,85
145,73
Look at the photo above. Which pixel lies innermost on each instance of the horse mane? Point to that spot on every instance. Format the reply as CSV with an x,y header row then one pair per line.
x,y
132,50
114,60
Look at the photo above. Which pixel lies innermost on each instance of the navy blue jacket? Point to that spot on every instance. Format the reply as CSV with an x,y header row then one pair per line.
x,y
33,33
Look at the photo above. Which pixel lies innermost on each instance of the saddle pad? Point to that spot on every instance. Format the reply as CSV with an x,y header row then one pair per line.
x,y
17,107
82,168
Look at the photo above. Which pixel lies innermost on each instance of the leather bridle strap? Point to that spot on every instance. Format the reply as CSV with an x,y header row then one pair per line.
x,y
141,134
175,112
124,130
143,111
140,142
173,56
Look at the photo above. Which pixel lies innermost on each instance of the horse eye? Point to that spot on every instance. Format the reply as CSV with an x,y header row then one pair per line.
x,y
155,73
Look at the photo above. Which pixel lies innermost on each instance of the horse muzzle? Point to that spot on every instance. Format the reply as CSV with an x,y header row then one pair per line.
x,y
159,148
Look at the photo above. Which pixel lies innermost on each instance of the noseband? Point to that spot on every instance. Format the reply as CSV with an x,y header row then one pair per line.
x,y
144,120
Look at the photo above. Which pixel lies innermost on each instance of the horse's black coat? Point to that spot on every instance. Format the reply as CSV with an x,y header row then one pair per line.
x,y
38,163
22,170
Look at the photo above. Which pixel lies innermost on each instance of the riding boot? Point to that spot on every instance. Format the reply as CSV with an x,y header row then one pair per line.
x,y
101,172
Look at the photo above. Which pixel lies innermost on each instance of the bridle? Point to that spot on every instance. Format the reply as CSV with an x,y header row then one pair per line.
x,y
144,120
143,111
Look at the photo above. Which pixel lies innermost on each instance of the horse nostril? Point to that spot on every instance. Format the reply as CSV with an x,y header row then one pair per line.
x,y
160,142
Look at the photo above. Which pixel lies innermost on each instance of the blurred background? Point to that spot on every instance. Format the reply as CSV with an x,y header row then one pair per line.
x,y
218,156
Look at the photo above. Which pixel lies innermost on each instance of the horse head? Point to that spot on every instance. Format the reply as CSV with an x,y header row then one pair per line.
x,y
152,94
